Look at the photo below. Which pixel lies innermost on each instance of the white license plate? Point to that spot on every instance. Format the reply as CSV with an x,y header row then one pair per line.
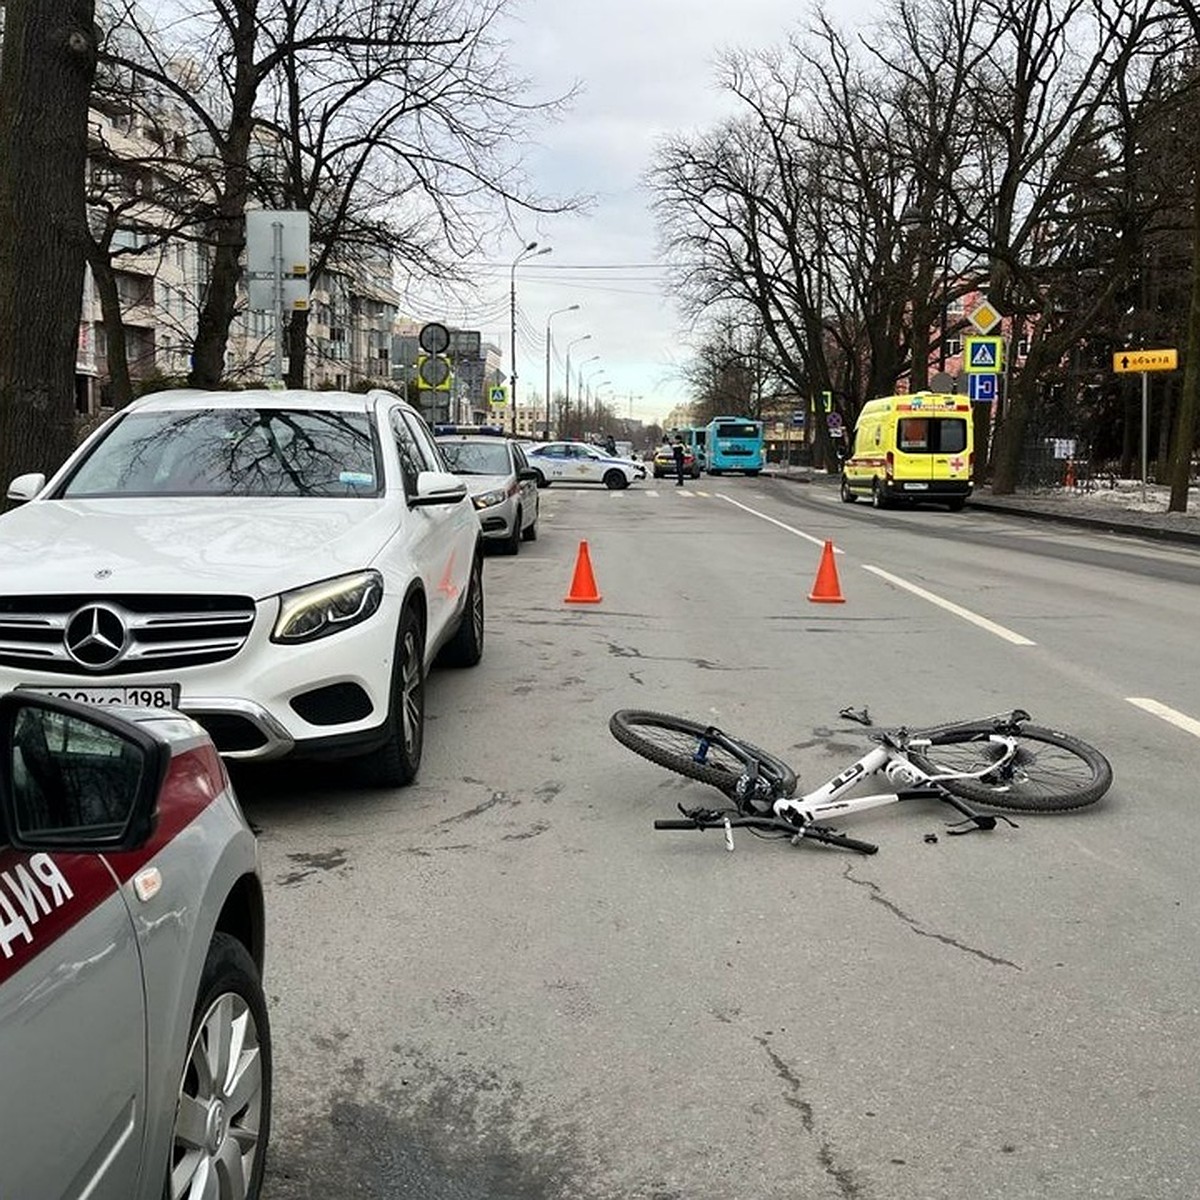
x,y
158,695
916,487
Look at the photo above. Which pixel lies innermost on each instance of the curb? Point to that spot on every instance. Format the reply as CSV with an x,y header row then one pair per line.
x,y
1128,527
1107,524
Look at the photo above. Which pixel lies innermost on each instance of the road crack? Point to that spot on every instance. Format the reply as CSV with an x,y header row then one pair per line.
x,y
879,898
848,1184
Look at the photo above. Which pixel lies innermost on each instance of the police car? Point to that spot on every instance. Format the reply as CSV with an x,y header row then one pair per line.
x,y
577,462
502,485
135,1049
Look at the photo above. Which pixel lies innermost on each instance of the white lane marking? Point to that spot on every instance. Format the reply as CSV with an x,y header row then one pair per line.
x,y
651,491
808,537
957,609
1158,709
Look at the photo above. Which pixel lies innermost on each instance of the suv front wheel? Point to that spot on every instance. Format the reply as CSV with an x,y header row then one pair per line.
x,y
396,762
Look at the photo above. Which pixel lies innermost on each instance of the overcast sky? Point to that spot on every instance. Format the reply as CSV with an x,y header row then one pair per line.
x,y
646,68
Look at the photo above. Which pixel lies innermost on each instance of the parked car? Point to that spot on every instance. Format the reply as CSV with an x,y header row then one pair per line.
x,y
282,565
503,486
664,463
577,462
135,1044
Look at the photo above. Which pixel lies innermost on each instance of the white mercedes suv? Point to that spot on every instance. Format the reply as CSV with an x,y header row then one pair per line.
x,y
284,566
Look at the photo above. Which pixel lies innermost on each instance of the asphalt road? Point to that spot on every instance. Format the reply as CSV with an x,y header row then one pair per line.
x,y
501,983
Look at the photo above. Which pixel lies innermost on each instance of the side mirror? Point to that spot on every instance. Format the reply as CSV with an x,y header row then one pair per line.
x,y
25,487
528,474
437,487
76,778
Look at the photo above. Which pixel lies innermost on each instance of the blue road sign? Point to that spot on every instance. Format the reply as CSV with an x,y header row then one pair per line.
x,y
983,354
798,418
981,388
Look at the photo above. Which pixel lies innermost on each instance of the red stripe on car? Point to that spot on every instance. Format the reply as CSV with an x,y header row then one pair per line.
x,y
44,893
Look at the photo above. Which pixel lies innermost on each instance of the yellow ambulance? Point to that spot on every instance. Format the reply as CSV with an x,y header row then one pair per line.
x,y
911,449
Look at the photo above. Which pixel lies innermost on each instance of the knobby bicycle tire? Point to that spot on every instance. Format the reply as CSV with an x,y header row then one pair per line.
x,y
673,742
1050,772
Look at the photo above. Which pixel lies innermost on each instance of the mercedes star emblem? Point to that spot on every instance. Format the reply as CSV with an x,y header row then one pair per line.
x,y
96,636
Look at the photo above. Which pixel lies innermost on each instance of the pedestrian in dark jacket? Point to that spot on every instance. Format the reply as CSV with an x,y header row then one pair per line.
x,y
677,451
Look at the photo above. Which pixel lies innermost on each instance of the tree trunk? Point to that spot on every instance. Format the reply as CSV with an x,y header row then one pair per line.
x,y
1183,443
49,60
116,355
1162,455
297,348
229,226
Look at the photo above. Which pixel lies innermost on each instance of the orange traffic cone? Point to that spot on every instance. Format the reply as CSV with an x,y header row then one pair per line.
x,y
827,590
583,584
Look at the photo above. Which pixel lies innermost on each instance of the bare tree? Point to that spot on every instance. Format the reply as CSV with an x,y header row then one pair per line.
x,y
49,58
322,90
401,152
1183,441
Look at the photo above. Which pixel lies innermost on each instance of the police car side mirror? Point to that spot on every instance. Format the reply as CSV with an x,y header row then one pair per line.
x,y
76,778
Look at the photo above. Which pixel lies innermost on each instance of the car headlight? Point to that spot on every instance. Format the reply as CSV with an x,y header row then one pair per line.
x,y
489,499
321,609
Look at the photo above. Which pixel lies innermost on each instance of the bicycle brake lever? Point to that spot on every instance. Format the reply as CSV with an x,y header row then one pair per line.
x,y
728,836
862,715
983,821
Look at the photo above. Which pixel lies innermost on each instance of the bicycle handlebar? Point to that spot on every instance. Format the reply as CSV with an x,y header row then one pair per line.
x,y
815,833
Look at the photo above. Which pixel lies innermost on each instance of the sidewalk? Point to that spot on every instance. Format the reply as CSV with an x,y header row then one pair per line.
x,y
1118,510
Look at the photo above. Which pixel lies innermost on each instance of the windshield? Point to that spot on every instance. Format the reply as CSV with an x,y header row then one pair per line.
x,y
933,435
738,430
233,452
477,458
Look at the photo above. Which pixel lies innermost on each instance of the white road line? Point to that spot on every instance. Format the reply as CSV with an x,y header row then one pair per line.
x,y
651,491
957,609
1157,709
808,537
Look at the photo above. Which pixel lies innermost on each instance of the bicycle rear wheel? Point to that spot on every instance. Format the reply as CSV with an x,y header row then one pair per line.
x,y
684,747
1050,772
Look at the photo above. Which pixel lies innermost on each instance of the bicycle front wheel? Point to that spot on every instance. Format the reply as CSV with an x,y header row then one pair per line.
x,y
686,748
1050,771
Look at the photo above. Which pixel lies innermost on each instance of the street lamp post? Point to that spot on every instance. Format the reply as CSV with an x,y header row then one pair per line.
x,y
587,337
530,251
579,389
555,313
600,373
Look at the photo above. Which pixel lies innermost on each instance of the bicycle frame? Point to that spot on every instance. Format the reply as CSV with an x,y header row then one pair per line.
x,y
889,758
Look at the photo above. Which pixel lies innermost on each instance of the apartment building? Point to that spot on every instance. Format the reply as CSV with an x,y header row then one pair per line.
x,y
161,271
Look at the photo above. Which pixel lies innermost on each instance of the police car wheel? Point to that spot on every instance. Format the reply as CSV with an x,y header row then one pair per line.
x,y
529,533
615,479
512,543
223,1106
542,481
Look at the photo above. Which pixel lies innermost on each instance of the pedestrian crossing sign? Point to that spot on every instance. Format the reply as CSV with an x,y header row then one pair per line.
x,y
983,355
498,396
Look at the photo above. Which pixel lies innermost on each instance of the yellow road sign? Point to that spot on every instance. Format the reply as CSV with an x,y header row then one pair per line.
x,y
1145,360
984,317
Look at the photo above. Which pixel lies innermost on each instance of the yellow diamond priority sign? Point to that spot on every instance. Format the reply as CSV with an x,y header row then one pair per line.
x,y
1145,360
984,317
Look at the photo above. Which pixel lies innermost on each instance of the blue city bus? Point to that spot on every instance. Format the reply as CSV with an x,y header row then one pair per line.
x,y
734,444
